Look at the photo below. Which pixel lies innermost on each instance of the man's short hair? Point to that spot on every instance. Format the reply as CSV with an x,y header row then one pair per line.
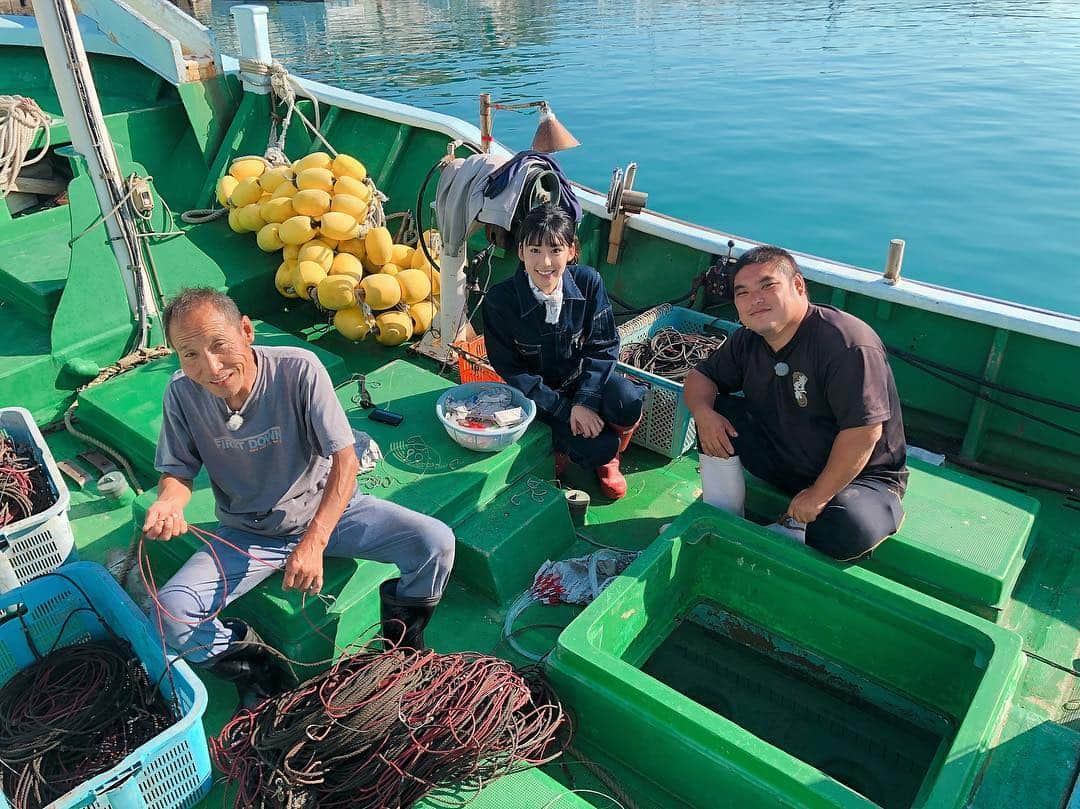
x,y
194,298
767,254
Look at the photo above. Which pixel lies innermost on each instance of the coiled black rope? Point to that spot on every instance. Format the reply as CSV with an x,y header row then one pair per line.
x,y
670,353
72,715
383,729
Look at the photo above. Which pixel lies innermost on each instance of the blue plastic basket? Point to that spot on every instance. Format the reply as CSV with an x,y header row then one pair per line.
x,y
491,440
666,426
172,770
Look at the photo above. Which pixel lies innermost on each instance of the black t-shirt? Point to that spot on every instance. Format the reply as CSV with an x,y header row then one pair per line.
x,y
832,375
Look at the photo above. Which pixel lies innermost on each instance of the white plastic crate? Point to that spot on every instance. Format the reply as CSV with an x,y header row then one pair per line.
x,y
666,425
41,543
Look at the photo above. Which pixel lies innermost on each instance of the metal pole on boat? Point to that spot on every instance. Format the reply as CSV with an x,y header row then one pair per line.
x,y
253,34
895,261
453,300
75,88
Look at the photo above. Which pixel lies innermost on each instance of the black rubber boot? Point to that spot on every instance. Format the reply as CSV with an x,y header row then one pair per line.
x,y
258,671
403,620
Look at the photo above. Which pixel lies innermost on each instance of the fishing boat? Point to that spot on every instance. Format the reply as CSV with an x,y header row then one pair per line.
x,y
726,666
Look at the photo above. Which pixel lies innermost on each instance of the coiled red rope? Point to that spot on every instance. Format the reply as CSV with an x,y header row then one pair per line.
x,y
382,729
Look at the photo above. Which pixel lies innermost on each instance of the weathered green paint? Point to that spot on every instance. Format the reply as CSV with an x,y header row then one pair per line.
x,y
210,105
981,408
401,137
233,143
503,545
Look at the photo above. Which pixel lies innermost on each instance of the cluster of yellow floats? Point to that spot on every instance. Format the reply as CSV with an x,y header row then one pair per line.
x,y
318,213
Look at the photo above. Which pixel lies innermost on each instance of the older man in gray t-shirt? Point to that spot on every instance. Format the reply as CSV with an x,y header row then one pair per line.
x,y
269,430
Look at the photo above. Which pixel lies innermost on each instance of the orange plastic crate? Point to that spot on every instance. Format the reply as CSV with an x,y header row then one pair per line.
x,y
472,361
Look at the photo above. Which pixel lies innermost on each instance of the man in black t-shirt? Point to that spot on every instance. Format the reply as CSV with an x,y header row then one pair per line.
x,y
819,417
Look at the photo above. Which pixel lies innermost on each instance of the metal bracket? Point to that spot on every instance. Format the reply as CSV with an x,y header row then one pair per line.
x,y
75,472
622,202
99,461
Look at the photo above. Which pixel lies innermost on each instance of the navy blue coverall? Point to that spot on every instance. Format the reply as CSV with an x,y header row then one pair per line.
x,y
559,365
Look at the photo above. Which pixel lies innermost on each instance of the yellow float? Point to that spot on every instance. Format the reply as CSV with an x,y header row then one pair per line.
x,y
224,188
353,206
311,202
277,209
246,192
352,323
415,286
422,314
354,247
296,230
339,226
286,189
337,292
318,251
244,167
393,328
283,279
321,179
306,277
346,166
402,255
378,246
274,177
250,217
268,239
352,187
315,160
347,264
380,291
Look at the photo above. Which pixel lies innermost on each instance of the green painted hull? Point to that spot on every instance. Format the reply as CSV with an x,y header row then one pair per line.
x,y
981,655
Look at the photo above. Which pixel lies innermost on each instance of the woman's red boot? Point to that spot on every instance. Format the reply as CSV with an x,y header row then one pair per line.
x,y
612,482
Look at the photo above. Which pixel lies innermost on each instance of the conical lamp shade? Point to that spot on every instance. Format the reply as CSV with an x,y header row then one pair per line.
x,y
551,136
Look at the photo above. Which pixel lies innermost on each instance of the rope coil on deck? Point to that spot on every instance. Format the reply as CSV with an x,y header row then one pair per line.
x,y
20,120
383,729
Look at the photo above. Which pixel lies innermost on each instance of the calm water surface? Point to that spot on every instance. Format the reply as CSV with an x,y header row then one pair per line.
x,y
827,127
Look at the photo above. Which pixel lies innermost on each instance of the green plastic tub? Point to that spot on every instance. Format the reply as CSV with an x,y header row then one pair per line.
x,y
734,667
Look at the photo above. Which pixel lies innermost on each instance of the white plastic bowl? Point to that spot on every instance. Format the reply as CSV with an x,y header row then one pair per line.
x,y
490,440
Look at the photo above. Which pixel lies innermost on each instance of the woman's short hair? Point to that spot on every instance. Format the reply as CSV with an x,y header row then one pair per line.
x,y
549,225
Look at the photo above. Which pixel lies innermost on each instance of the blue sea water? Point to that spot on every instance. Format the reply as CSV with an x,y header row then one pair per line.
x,y
828,127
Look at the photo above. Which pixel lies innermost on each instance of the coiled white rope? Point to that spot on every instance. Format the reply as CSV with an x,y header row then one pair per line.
x,y
20,119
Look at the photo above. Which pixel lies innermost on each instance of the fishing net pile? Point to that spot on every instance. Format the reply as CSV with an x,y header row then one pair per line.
x,y
384,729
73,714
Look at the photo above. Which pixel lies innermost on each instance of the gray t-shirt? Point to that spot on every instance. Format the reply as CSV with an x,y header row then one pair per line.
x,y
268,476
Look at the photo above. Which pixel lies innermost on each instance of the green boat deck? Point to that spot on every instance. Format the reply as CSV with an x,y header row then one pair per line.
x,y
509,518
727,667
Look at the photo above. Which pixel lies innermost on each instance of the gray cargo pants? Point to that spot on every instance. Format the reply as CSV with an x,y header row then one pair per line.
x,y
421,546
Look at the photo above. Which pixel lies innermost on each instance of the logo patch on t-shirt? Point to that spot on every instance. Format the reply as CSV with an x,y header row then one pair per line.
x,y
798,383
253,443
